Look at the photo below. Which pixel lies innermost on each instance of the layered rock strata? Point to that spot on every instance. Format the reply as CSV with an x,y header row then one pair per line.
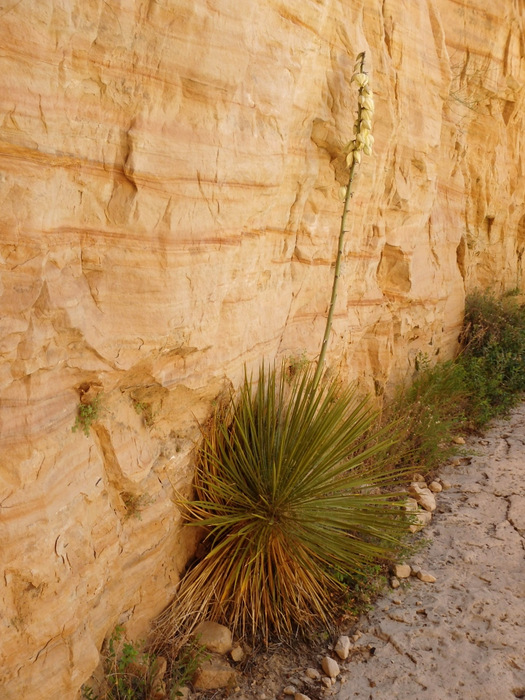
x,y
169,172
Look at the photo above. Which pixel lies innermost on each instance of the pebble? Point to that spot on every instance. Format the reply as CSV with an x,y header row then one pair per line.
x,y
214,637
425,576
327,682
342,647
301,696
418,477
312,673
458,440
402,570
237,654
330,667
290,690
446,485
435,487
394,582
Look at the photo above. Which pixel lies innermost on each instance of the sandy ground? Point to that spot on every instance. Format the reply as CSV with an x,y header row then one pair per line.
x,y
464,635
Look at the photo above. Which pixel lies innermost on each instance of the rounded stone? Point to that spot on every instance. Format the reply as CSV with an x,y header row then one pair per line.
x,y
214,637
312,673
342,648
402,570
426,577
330,667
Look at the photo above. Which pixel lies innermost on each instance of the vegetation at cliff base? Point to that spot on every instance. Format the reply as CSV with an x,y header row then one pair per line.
x,y
484,381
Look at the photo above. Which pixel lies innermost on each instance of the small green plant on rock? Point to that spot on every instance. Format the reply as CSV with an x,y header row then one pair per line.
x,y
295,364
135,503
87,414
144,410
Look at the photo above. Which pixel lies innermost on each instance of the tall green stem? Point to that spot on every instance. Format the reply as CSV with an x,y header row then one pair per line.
x,y
338,260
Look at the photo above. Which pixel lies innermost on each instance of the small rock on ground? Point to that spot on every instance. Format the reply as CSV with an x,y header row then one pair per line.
x,y
342,647
330,667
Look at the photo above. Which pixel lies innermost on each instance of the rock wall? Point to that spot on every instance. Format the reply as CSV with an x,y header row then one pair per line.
x,y
169,172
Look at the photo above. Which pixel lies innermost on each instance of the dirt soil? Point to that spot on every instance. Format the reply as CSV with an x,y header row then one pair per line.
x,y
461,637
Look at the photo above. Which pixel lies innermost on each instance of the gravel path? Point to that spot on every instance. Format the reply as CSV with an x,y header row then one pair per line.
x,y
462,637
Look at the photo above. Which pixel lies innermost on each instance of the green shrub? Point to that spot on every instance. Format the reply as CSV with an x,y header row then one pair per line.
x,y
432,410
87,413
493,355
485,380
284,489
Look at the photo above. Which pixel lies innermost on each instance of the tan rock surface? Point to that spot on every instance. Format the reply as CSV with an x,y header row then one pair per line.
x,y
168,209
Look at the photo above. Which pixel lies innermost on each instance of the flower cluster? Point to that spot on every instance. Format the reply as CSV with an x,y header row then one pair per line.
x,y
363,141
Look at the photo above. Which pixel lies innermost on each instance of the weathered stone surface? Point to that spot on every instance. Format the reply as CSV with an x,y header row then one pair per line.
x,y
168,209
214,637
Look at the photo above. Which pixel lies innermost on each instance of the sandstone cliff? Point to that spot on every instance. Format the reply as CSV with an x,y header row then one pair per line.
x,y
169,173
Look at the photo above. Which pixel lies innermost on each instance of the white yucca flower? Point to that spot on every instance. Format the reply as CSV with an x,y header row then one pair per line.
x,y
363,141
361,79
366,119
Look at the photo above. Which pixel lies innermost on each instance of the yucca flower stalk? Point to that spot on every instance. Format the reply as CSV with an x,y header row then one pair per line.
x,y
362,143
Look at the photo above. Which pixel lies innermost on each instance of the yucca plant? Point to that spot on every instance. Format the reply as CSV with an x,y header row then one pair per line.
x,y
285,486
284,491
